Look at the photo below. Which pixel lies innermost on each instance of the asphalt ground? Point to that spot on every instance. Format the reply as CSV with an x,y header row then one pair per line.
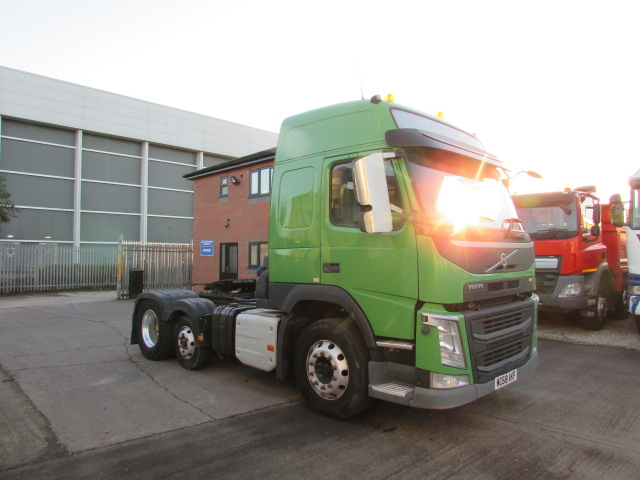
x,y
71,383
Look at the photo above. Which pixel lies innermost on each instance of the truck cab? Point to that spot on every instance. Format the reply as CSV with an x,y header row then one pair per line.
x,y
400,223
580,257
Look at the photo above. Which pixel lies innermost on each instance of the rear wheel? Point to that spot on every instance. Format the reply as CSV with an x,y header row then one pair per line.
x,y
154,335
331,367
189,354
617,306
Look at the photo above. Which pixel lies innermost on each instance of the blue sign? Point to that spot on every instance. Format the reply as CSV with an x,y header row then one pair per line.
x,y
206,248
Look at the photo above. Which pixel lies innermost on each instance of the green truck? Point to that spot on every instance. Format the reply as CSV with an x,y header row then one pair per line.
x,y
397,269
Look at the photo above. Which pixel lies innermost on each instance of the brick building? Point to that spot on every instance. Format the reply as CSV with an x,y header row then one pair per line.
x,y
231,218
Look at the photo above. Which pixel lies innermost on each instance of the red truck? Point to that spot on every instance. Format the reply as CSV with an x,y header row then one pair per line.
x,y
581,258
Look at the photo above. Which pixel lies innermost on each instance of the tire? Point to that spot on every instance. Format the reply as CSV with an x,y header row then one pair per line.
x,y
618,309
637,319
327,347
187,352
154,335
594,317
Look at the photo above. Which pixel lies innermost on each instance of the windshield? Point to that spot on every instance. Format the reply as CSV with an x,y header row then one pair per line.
x,y
460,192
549,222
405,119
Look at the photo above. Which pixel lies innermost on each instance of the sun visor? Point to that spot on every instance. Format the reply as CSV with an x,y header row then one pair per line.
x,y
412,137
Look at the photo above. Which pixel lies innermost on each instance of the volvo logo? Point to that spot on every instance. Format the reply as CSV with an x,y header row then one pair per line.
x,y
503,263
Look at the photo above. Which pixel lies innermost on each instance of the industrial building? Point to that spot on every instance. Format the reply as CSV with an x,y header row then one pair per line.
x,y
85,166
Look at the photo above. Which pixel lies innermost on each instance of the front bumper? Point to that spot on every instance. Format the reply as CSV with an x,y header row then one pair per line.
x,y
430,398
634,304
554,302
455,397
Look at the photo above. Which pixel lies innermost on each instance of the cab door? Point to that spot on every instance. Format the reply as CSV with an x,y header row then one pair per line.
x,y
379,270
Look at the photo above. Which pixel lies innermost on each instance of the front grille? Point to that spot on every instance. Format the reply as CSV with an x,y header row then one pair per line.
x,y
491,323
546,282
500,338
501,353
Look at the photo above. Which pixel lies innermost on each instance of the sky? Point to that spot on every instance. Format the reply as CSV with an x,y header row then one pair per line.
x,y
549,86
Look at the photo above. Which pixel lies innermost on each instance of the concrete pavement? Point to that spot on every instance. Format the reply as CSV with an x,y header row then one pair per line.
x,y
70,381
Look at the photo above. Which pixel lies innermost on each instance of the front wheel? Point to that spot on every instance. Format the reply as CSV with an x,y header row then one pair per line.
x,y
154,335
190,356
594,317
331,368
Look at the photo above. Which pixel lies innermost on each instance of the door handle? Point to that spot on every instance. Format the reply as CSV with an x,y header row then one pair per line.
x,y
331,268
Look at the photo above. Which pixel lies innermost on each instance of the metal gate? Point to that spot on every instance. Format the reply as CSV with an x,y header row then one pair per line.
x,y
153,266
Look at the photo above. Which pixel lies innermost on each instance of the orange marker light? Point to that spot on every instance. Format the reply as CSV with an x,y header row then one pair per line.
x,y
271,348
389,97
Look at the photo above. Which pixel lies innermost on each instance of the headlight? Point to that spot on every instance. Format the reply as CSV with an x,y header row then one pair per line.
x,y
451,352
571,290
635,289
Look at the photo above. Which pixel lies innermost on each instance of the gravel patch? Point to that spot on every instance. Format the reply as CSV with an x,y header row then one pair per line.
x,y
565,328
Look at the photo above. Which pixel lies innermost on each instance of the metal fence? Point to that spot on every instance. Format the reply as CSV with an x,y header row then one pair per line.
x,y
29,267
129,267
153,266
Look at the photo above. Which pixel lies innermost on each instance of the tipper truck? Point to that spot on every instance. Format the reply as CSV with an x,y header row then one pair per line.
x,y
581,259
397,269
633,249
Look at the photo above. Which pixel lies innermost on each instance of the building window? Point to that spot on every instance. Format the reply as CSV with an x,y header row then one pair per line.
x,y
261,181
257,252
224,186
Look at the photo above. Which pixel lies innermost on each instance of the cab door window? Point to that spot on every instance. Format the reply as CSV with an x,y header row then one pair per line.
x,y
344,210
587,206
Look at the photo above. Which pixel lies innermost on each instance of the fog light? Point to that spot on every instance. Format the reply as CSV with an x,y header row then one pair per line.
x,y
443,381
571,290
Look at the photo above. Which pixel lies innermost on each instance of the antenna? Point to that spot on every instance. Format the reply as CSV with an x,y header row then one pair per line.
x,y
360,79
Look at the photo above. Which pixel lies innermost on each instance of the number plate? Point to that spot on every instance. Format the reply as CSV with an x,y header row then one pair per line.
x,y
506,379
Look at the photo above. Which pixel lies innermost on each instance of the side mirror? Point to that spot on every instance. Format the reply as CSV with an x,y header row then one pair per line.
x,y
617,215
596,214
373,196
595,230
617,211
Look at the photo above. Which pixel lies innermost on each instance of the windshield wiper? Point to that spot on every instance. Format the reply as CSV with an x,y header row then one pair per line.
x,y
550,232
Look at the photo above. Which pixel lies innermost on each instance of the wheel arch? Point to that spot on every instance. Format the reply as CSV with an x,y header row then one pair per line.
x,y
193,307
163,299
593,280
306,304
